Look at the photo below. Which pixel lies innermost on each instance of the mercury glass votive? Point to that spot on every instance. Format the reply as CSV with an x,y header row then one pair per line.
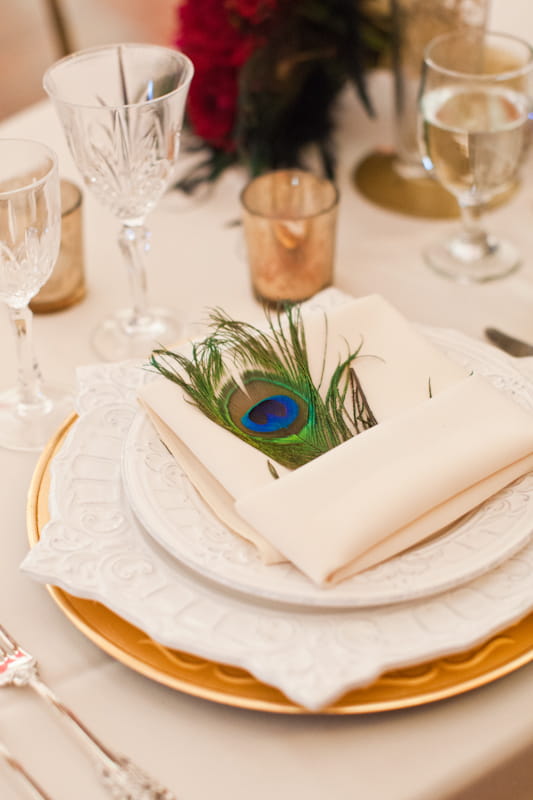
x,y
66,285
290,223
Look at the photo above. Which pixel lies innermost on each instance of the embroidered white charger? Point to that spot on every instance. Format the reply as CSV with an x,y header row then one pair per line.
x,y
445,441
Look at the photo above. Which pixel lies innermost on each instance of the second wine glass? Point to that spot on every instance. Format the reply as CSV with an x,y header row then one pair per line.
x,y
122,107
474,103
30,233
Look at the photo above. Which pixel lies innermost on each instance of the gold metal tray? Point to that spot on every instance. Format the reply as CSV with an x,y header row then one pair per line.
x,y
425,683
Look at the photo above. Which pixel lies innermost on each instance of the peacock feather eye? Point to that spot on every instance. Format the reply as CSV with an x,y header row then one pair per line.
x,y
267,408
268,397
271,414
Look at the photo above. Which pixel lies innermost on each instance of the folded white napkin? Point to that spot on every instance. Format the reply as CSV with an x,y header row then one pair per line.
x,y
444,443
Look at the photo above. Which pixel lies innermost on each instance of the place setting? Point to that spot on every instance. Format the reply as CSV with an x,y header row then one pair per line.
x,y
135,535
320,501
323,510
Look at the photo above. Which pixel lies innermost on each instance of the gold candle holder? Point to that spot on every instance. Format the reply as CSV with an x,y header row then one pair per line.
x,y
66,284
289,221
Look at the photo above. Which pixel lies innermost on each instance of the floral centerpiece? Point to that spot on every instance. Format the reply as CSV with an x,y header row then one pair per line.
x,y
267,75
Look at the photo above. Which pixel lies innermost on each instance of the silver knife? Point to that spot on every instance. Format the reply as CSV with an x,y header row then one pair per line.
x,y
511,345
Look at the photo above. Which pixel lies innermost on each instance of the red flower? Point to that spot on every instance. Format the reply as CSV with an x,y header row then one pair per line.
x,y
219,37
212,106
256,11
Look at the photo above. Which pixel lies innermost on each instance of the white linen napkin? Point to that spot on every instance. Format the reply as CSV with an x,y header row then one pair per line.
x,y
444,443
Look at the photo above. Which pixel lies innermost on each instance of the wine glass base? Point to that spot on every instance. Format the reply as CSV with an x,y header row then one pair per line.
x,y
30,427
119,338
503,259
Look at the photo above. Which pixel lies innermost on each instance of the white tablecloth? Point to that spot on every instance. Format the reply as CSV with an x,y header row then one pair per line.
x,y
201,749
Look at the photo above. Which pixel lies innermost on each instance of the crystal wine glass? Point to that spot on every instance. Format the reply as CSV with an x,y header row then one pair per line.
x,y
121,107
30,227
475,99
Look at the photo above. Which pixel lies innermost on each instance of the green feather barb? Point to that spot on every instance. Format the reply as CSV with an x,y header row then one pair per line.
x,y
268,397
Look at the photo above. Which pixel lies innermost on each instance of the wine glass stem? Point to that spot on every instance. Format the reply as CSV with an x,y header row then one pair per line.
x,y
474,243
134,241
29,374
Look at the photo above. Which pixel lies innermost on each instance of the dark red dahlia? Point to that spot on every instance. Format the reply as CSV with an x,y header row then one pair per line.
x,y
218,37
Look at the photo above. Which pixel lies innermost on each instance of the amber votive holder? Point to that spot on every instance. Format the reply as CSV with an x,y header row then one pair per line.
x,y
290,224
66,284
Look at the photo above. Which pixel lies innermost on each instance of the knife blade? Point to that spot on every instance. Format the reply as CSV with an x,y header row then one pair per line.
x,y
510,344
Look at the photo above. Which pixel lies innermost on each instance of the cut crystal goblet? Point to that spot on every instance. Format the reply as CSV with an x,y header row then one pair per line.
x,y
122,107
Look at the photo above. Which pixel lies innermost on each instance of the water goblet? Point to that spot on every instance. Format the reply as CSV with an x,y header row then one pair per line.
x,y
30,226
122,107
474,103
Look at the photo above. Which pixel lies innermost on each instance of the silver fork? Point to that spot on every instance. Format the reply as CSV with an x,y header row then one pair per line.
x,y
124,779
35,790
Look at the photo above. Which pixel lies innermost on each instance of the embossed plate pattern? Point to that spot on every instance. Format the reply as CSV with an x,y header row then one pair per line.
x,y
425,683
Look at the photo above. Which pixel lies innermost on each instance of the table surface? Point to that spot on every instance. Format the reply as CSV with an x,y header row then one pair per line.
x,y
198,748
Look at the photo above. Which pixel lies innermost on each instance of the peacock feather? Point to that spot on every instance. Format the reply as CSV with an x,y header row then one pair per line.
x,y
267,397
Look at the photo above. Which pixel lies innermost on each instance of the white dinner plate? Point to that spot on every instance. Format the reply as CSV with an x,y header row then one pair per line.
x,y
171,511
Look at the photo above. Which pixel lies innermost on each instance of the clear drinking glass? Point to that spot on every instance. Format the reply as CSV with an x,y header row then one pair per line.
x,y
415,24
30,226
474,104
121,107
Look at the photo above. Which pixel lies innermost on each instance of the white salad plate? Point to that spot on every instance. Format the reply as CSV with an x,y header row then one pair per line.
x,y
170,510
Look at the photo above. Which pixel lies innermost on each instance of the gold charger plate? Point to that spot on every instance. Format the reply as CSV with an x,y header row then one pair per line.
x,y
425,683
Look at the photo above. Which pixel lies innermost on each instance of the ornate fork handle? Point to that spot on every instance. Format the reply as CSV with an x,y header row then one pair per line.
x,y
124,779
